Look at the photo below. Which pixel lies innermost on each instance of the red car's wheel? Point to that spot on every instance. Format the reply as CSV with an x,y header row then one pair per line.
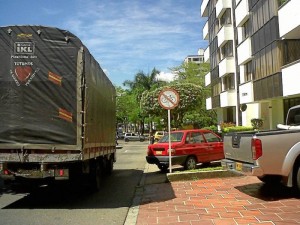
x,y
190,163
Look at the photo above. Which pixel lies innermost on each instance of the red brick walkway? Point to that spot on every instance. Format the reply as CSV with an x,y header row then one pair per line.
x,y
236,200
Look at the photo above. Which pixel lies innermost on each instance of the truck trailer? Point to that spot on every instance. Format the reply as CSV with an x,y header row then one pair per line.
x,y
57,107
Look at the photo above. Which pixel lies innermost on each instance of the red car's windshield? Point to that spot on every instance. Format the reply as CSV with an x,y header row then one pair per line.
x,y
175,137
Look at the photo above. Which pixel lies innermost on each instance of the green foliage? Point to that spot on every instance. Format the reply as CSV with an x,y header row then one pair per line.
x,y
190,98
140,101
225,125
257,123
127,107
281,2
191,73
228,129
236,129
199,119
213,128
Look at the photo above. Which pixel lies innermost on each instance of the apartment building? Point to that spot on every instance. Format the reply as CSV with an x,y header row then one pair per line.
x,y
198,59
254,52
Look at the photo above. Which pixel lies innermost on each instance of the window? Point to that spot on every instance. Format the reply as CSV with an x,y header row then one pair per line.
x,y
210,137
227,50
197,137
228,82
216,89
226,18
248,71
246,30
194,137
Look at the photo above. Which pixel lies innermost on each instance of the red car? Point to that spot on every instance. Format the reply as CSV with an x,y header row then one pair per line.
x,y
189,147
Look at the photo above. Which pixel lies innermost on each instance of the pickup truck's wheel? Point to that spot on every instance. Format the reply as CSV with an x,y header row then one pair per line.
x,y
271,179
190,163
126,139
297,179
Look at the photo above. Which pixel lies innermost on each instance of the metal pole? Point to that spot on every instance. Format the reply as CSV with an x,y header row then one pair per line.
x,y
169,127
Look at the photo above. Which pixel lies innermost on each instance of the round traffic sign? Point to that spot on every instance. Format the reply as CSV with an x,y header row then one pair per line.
x,y
168,98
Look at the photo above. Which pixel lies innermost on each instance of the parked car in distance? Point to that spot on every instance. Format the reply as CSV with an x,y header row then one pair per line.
x,y
158,135
133,137
188,148
121,135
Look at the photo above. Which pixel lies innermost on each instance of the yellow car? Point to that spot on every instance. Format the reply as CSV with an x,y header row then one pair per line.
x,y
158,135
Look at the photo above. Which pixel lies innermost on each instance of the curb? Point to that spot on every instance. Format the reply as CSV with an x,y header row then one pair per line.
x,y
133,210
185,176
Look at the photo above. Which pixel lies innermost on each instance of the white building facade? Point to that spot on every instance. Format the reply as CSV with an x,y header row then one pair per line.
x,y
254,56
198,59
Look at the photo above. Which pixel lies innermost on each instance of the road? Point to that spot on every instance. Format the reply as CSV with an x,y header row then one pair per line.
x,y
64,204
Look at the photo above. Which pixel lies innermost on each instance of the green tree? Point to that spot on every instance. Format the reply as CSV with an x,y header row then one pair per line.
x,y
142,82
191,73
127,106
195,73
190,98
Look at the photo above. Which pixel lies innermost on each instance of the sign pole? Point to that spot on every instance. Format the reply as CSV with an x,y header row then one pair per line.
x,y
169,128
169,99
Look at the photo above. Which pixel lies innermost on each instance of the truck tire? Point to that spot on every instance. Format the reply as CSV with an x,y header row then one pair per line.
x,y
126,139
96,174
297,179
271,179
110,165
190,163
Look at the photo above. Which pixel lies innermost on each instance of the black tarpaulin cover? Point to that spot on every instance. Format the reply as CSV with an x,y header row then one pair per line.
x,y
38,85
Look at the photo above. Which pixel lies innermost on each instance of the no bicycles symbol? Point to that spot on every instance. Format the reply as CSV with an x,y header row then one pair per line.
x,y
168,98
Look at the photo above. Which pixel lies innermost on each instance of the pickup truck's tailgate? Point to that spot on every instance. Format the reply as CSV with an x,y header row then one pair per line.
x,y
237,146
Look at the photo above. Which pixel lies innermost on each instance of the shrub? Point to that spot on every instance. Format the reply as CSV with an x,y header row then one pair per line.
x,y
237,129
229,129
257,123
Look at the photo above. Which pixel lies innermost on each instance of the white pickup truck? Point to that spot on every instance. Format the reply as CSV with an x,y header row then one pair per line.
x,y
273,156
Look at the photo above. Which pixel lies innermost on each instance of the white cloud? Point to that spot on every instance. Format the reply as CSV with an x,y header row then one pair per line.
x,y
164,76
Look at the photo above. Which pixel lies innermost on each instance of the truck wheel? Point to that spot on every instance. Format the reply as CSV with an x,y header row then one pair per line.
x,y
190,163
297,179
126,140
270,179
96,174
110,165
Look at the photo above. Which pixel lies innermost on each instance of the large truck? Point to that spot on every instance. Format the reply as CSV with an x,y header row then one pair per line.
x,y
57,107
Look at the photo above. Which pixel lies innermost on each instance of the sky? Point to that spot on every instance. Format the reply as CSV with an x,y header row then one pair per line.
x,y
124,36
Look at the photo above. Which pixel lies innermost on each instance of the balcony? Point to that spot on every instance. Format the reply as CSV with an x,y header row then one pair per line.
x,y
228,98
226,66
207,79
206,55
246,93
288,16
205,31
225,34
208,104
221,6
242,13
204,8
290,74
244,51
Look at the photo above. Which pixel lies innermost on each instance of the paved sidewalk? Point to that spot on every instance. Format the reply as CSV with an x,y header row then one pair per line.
x,y
214,201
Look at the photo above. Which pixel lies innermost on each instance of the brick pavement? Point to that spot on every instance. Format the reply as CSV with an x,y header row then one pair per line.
x,y
218,201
